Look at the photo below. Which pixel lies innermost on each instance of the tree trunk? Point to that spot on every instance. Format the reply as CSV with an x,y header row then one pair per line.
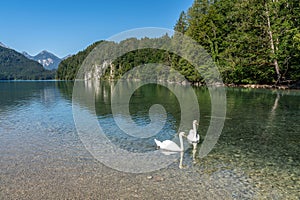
x,y
112,71
275,61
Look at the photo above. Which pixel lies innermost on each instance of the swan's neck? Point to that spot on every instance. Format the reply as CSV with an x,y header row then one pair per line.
x,y
181,142
195,130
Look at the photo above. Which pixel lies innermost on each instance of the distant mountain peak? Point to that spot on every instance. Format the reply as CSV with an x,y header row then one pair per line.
x,y
45,58
44,51
27,55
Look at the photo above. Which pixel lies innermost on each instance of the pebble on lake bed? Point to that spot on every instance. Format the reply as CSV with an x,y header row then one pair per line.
x,y
156,178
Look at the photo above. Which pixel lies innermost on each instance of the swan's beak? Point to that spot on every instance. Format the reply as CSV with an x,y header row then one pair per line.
x,y
183,134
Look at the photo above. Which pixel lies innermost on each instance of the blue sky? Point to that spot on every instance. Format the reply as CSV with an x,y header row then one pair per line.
x,y
65,27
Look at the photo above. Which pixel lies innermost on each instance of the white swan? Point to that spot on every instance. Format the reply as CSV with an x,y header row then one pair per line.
x,y
193,137
169,145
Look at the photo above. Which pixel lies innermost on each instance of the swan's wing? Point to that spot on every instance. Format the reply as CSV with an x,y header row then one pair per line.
x,y
167,143
170,146
191,132
191,135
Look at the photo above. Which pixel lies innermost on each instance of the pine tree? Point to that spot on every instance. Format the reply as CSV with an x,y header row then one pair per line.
x,y
181,25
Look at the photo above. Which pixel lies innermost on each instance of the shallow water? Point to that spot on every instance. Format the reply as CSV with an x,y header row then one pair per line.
x,y
42,156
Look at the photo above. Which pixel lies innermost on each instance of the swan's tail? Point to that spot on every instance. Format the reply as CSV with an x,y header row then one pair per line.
x,y
158,143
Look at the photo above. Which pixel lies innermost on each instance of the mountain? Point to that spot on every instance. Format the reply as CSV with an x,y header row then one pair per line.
x,y
15,66
45,58
27,55
3,45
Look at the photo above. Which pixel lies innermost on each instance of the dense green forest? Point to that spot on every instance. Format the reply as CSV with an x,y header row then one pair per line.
x,y
251,42
15,66
68,68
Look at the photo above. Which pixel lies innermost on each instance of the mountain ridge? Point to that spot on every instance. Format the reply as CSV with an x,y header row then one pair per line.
x,y
15,66
3,45
47,59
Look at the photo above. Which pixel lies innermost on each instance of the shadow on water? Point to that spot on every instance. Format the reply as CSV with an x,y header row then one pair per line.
x,y
140,102
263,124
16,94
65,89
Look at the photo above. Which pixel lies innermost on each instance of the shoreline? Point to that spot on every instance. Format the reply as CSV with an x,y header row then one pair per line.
x,y
264,86
295,86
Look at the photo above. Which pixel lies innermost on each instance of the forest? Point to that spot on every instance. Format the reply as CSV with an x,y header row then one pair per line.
x,y
251,42
15,66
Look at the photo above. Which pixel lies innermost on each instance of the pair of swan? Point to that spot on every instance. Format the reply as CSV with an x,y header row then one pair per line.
x,y
168,145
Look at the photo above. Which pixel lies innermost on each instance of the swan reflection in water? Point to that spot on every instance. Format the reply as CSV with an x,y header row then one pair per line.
x,y
174,152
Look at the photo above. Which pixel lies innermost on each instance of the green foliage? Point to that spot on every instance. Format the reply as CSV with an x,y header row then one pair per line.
x,y
182,24
15,66
236,33
246,40
69,67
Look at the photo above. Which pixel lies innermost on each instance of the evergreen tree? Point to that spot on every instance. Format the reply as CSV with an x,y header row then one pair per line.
x,y
181,25
251,41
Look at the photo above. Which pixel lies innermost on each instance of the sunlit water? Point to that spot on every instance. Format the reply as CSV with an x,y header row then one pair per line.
x,y
257,155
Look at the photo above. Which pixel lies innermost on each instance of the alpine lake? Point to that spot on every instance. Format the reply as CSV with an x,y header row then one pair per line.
x,y
257,155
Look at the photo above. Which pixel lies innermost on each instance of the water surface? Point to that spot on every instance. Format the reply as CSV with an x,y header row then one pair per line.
x,y
42,156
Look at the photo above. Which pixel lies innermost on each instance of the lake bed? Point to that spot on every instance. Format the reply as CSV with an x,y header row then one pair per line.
x,y
42,156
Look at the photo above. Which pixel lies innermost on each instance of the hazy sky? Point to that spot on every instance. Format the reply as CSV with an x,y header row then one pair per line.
x,y
64,27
